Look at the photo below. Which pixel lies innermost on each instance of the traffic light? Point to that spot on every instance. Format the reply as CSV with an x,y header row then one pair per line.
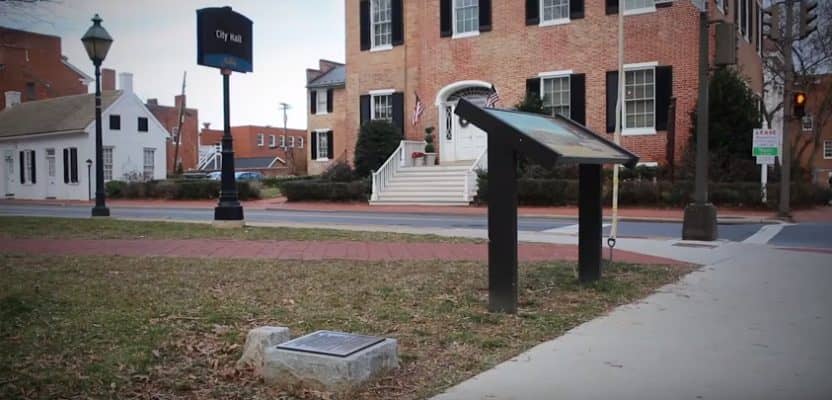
x,y
808,15
772,21
799,104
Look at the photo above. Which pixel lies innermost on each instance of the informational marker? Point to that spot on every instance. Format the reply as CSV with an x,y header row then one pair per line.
x,y
338,344
224,39
766,142
549,141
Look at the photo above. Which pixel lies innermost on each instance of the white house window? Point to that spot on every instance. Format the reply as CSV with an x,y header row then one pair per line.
x,y
382,28
107,162
9,162
28,166
291,141
300,142
555,93
466,16
382,107
639,98
320,99
282,141
638,6
149,158
827,149
261,140
554,10
50,163
808,123
323,145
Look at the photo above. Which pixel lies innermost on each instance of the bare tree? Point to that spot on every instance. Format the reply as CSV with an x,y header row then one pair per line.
x,y
26,14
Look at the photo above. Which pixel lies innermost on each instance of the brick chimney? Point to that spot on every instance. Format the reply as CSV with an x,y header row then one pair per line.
x,y
12,98
153,102
108,79
125,82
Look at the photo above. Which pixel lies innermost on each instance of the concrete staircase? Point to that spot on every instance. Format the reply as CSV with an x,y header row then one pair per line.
x,y
435,185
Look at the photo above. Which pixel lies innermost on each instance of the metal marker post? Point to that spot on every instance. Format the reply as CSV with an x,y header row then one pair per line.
x,y
229,208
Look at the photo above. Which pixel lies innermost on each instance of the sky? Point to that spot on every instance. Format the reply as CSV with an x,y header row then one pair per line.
x,y
156,41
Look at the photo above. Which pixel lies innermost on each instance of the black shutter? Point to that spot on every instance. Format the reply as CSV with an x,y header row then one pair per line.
x,y
485,15
365,108
744,17
66,165
752,33
313,101
576,9
329,100
612,7
612,96
73,164
22,169
445,15
577,98
397,18
664,91
34,176
532,12
364,20
330,149
533,87
313,145
398,111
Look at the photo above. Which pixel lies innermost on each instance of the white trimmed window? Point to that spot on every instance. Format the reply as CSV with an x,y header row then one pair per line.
x,y
640,99
466,17
382,107
28,166
50,163
107,162
261,140
807,123
827,149
300,142
555,93
720,5
323,145
291,141
149,163
320,102
639,6
272,141
9,157
382,24
554,11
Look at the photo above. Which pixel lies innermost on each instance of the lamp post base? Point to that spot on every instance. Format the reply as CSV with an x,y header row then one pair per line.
x,y
700,222
100,211
226,212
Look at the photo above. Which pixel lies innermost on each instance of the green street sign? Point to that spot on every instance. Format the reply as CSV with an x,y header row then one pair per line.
x,y
765,151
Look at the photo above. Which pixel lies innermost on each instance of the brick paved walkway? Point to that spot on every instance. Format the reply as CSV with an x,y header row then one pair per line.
x,y
300,250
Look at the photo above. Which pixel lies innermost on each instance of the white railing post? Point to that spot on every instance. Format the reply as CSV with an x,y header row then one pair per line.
x,y
374,195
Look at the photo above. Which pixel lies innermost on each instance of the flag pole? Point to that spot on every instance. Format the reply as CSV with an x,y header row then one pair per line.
x,y
618,122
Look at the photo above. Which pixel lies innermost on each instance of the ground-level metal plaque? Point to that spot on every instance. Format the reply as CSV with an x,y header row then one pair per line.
x,y
338,344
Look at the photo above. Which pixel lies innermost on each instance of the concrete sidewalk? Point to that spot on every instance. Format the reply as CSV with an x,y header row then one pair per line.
x,y
755,324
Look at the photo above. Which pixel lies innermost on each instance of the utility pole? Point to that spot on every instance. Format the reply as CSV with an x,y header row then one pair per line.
x,y
180,120
784,209
290,154
700,221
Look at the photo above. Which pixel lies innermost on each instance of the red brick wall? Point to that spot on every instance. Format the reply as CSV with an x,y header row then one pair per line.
x,y
513,52
188,148
245,143
35,58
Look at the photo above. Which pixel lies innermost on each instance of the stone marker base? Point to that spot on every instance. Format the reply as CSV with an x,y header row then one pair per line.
x,y
257,341
700,222
292,368
234,224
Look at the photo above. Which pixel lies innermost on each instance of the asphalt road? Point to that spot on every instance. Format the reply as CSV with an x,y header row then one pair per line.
x,y
802,235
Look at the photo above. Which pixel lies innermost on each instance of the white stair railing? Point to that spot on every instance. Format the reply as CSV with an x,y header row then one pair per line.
x,y
410,147
209,155
471,185
384,174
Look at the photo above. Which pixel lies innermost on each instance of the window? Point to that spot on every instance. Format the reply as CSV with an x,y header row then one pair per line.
x,y
149,163
323,145
720,5
142,124
554,10
31,92
382,33
107,162
282,141
637,6
827,149
555,92
807,123
639,98
70,165
300,142
466,17
272,141
382,107
291,141
115,122
27,173
320,102
261,140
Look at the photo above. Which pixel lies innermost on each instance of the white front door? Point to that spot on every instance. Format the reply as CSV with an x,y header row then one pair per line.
x,y
8,180
50,173
469,141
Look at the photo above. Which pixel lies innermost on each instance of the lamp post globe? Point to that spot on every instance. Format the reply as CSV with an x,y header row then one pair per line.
x,y
97,43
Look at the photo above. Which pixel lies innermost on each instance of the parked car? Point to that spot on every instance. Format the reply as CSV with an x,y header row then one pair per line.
x,y
248,176
214,176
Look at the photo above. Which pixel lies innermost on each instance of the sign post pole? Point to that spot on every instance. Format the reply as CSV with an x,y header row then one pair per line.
x,y
764,182
590,227
502,226
228,208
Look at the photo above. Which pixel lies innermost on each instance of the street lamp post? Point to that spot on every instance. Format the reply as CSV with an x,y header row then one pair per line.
x,y
97,43
89,179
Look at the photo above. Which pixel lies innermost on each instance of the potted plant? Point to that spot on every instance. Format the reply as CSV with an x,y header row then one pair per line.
x,y
417,158
430,150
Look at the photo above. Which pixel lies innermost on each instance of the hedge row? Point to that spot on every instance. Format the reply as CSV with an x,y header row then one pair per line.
x,y
560,192
177,190
324,190
278,181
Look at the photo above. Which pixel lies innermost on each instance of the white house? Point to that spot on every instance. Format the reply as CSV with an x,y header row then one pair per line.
x,y
47,145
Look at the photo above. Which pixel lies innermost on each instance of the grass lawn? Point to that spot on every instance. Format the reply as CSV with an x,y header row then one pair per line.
x,y
154,327
78,228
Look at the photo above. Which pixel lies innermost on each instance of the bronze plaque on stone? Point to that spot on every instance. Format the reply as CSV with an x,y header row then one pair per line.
x,y
338,344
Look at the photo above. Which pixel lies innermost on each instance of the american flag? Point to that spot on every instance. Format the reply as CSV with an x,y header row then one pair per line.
x,y
493,98
417,111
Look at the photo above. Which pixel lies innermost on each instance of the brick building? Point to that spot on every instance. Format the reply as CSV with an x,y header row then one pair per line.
x,y
813,145
561,50
267,149
32,65
327,110
188,145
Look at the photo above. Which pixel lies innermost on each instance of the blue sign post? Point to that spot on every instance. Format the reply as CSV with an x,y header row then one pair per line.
x,y
224,40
